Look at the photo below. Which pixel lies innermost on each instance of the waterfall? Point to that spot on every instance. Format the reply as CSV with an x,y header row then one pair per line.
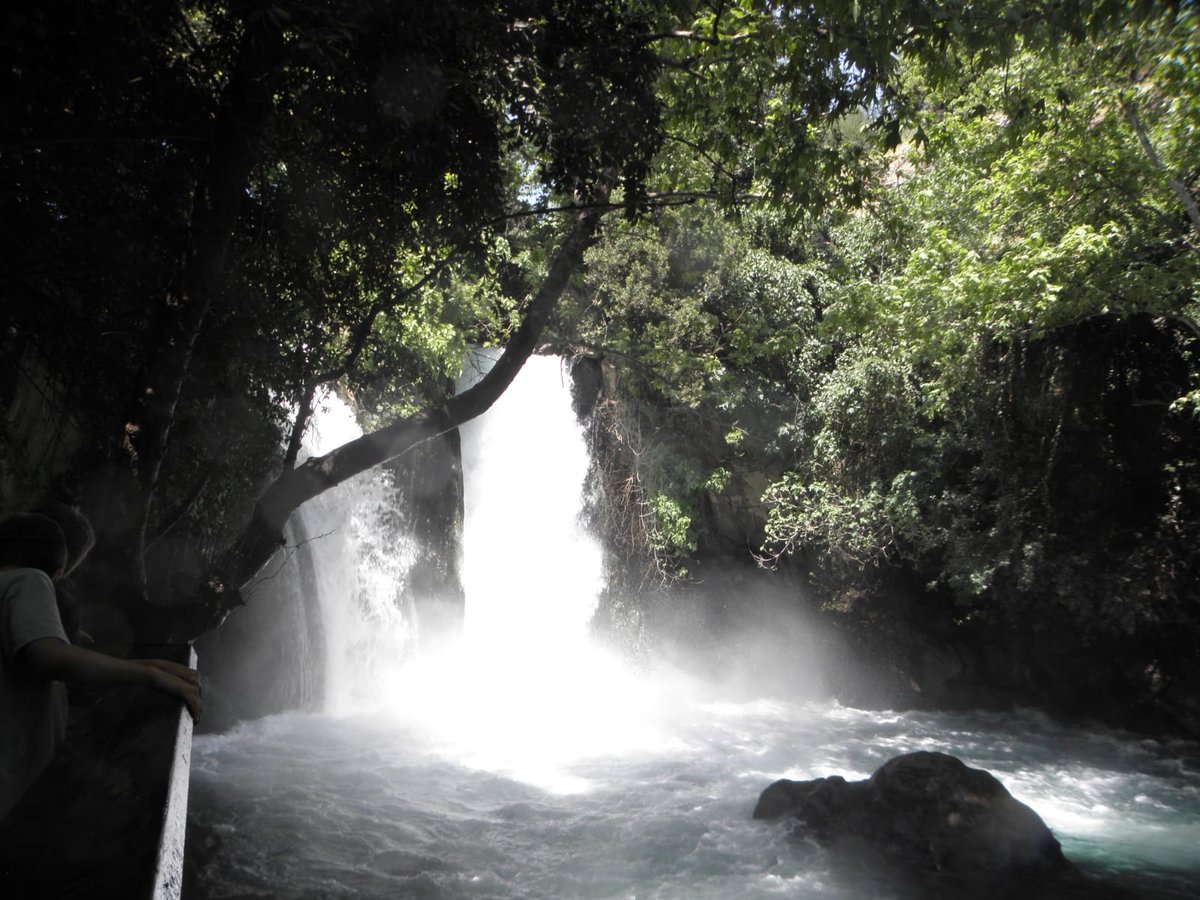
x,y
520,687
531,572
524,690
362,555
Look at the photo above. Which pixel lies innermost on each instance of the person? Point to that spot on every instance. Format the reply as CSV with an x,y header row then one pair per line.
x,y
81,538
36,659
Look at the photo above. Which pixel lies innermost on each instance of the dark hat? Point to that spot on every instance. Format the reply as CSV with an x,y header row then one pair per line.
x,y
33,541
75,528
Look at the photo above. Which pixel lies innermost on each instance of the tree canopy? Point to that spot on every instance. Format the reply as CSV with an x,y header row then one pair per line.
x,y
855,241
983,373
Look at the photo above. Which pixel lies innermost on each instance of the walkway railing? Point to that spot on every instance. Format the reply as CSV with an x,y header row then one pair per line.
x,y
107,818
168,874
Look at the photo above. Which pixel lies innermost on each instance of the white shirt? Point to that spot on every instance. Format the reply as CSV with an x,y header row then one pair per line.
x,y
33,714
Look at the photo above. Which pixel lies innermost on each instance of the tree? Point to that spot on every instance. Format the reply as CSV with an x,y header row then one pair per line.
x,y
996,366
290,183
328,150
1010,410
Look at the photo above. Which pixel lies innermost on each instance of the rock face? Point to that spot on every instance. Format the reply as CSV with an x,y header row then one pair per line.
x,y
926,819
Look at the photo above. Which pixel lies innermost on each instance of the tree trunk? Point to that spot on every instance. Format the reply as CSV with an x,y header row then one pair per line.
x,y
238,127
263,537
1186,200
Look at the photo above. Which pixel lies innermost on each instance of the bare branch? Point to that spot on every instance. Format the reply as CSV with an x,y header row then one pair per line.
x,y
1180,189
714,39
177,513
362,331
704,154
653,200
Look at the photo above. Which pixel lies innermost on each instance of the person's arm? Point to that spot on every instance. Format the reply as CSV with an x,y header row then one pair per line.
x,y
51,659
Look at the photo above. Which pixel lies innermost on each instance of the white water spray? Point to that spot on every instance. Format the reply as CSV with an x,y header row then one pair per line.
x,y
363,561
526,691
523,690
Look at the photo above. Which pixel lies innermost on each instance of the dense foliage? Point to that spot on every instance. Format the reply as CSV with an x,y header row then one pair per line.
x,y
984,374
216,211
1012,409
897,286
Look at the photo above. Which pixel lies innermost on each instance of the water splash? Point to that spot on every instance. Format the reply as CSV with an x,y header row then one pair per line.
x,y
364,559
525,690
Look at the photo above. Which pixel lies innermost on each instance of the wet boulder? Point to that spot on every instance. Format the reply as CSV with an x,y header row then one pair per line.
x,y
922,819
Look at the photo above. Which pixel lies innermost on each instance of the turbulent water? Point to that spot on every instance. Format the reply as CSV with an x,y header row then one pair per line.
x,y
522,761
384,806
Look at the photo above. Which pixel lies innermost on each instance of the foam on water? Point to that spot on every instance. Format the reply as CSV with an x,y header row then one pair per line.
x,y
307,806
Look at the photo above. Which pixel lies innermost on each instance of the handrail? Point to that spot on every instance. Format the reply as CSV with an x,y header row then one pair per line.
x,y
168,869
108,816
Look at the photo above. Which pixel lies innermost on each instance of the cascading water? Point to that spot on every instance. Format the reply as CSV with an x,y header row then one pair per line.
x,y
525,691
362,554
530,571
523,761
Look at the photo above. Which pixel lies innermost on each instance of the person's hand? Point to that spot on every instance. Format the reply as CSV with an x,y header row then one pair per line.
x,y
176,669
185,686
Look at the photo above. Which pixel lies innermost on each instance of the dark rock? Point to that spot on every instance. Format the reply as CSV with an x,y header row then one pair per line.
x,y
926,821
587,384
